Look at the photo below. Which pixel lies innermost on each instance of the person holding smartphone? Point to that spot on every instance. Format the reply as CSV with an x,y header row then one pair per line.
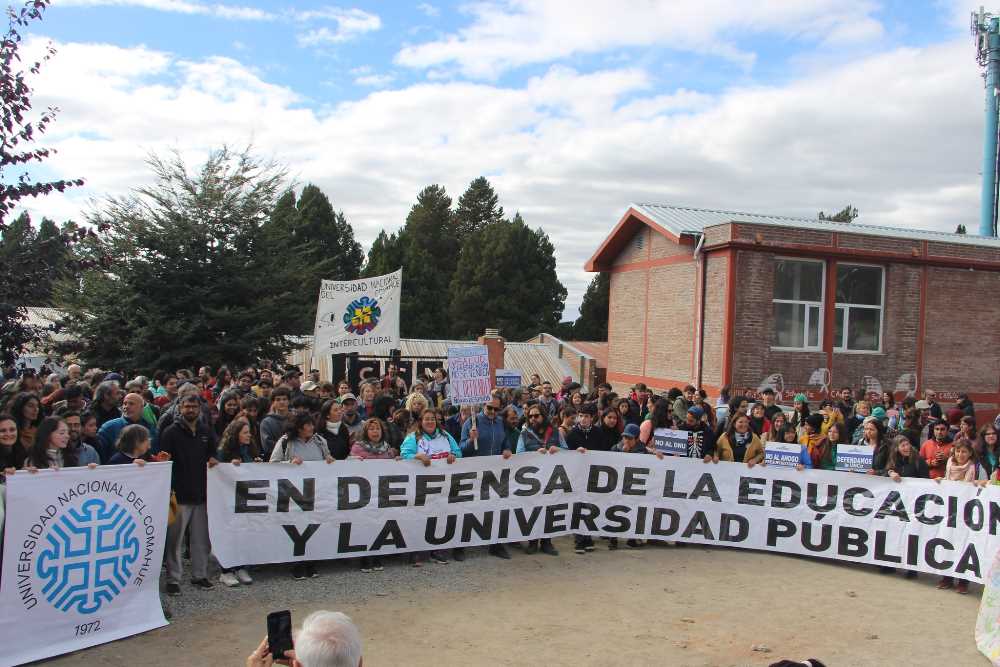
x,y
326,639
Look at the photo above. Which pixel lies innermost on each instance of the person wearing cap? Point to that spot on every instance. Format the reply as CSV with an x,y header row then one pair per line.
x,y
292,380
630,444
696,421
351,419
309,388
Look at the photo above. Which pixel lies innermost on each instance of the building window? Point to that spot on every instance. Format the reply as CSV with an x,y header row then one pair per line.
x,y
798,304
858,324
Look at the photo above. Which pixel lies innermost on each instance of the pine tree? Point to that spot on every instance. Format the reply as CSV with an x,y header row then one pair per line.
x,y
385,255
478,207
506,278
307,241
846,214
960,229
593,321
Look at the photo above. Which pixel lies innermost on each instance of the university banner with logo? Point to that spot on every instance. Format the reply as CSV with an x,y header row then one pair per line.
x,y
276,513
81,560
358,315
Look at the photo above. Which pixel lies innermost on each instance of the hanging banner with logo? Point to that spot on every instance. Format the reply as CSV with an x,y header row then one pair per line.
x,y
508,378
279,513
82,555
469,374
358,315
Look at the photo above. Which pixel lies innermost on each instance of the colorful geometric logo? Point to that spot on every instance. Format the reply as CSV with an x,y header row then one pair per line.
x,y
362,315
89,557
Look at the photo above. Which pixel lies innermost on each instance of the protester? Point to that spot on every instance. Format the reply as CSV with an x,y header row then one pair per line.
x,y
813,438
538,435
739,442
351,418
12,451
937,451
427,443
987,445
272,426
393,383
696,421
759,423
132,413
27,412
771,409
332,428
107,399
191,447
50,448
132,446
85,453
800,412
228,407
960,467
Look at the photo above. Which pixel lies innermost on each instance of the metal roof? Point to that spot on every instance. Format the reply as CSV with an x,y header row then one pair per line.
x,y
526,357
687,220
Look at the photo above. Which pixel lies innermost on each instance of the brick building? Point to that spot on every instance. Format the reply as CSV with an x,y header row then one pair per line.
x,y
751,301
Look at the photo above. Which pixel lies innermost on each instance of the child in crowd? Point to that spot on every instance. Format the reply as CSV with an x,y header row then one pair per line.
x,y
961,467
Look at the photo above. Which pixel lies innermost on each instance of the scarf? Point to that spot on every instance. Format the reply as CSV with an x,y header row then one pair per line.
x,y
377,449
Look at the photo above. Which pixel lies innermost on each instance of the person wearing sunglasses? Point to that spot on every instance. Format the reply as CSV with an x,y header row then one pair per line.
x,y
485,434
538,435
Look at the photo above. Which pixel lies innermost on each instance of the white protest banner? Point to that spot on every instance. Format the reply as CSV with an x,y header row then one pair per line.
x,y
277,513
358,315
783,454
82,555
469,374
855,458
671,441
509,378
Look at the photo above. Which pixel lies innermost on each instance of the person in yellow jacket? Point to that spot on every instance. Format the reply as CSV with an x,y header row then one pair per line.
x,y
739,442
831,413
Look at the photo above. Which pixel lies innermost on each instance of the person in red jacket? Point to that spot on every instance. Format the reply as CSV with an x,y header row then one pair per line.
x,y
937,450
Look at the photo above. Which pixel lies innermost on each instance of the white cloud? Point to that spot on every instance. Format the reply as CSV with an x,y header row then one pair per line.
x,y
351,23
506,34
374,80
180,7
428,9
897,134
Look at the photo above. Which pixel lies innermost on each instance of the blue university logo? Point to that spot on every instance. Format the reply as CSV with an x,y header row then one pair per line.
x,y
88,556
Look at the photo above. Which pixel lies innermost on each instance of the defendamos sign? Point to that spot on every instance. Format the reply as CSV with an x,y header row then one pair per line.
x,y
82,556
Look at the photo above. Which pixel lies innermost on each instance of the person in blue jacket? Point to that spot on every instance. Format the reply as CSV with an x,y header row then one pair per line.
x,y
538,435
427,443
485,434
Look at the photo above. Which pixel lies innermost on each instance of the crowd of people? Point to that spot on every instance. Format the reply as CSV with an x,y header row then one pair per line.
x,y
266,414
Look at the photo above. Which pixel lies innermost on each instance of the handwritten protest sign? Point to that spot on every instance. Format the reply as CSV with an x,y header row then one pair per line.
x,y
469,368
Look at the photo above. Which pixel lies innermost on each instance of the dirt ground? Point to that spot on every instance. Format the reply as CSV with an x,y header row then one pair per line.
x,y
656,606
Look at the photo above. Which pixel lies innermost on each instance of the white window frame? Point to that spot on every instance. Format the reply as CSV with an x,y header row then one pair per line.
x,y
840,345
822,294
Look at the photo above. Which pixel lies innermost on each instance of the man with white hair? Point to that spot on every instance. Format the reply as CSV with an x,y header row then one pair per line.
x,y
326,639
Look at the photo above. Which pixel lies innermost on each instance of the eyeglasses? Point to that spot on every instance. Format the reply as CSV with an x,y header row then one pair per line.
x,y
491,408
535,416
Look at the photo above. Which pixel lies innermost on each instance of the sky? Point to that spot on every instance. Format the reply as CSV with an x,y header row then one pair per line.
x,y
572,109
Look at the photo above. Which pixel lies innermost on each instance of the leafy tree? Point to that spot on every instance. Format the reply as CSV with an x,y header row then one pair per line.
x,y
478,207
192,285
20,274
960,229
593,321
846,214
307,241
506,277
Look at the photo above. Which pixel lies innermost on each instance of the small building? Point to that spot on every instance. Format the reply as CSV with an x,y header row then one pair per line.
x,y
717,298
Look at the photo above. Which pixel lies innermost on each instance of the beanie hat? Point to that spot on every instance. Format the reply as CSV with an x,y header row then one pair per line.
x,y
631,431
800,398
878,412
696,411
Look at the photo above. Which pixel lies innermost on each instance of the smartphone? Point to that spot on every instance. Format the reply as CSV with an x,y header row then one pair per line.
x,y
279,633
